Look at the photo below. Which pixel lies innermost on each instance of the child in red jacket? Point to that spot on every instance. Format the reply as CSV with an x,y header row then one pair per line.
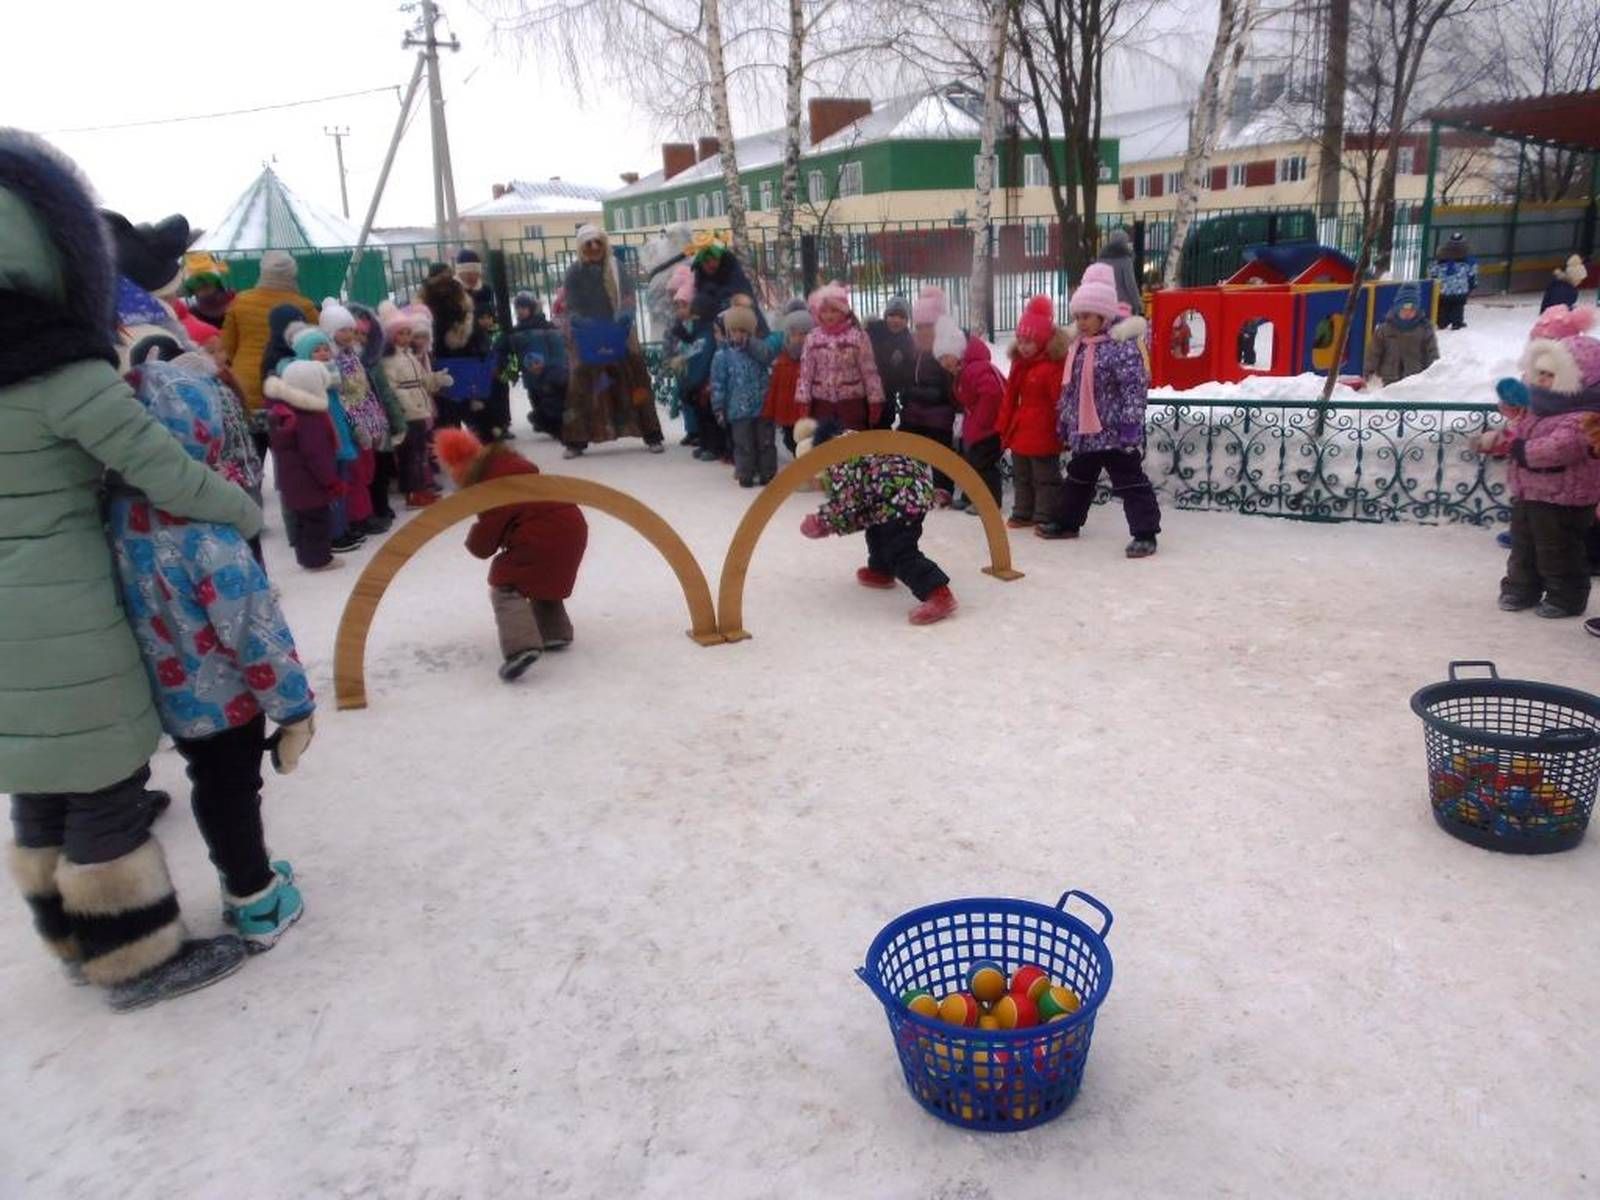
x,y
979,389
1028,414
536,545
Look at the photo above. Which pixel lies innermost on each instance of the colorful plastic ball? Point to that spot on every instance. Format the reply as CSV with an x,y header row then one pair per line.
x,y
990,1068
988,1021
1057,1002
959,1008
987,981
921,1002
1030,980
1015,1011
1525,772
1518,800
1447,785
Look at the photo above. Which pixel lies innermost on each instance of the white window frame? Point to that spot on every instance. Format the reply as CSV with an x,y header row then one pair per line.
x,y
533,232
1033,172
719,204
1141,187
1238,173
1103,172
1172,185
766,195
637,217
816,187
702,206
744,194
1036,239
1292,169
681,208
851,180
1406,161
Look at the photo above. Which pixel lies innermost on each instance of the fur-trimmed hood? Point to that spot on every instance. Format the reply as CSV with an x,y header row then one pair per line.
x,y
1056,348
1125,329
294,394
372,349
55,250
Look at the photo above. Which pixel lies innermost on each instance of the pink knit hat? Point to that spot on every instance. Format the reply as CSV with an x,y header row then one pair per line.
x,y
1038,321
1096,293
829,293
392,317
421,317
930,305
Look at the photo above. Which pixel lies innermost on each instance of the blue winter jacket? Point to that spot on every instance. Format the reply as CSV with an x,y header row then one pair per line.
x,y
739,381
212,638
1457,277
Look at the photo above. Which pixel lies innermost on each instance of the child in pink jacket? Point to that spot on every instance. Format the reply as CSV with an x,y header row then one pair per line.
x,y
1552,470
838,374
979,389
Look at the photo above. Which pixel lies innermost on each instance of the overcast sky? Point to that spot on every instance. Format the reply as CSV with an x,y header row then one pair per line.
x,y
74,63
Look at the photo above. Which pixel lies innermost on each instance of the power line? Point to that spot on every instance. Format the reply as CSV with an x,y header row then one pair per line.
x,y
237,112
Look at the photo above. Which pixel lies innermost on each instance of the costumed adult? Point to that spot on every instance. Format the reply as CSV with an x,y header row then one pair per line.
x,y
78,721
450,303
205,287
469,270
608,392
1457,272
719,276
246,330
149,266
1117,253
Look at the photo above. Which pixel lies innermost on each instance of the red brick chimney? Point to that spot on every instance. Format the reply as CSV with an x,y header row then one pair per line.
x,y
830,115
676,158
708,147
499,190
630,177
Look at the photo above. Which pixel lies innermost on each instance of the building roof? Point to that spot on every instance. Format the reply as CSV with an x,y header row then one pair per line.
x,y
1567,119
928,116
269,216
523,198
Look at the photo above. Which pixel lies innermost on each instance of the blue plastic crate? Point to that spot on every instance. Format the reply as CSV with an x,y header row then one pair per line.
x,y
993,1080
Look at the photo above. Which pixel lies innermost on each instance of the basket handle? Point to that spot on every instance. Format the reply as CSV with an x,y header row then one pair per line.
x,y
871,981
1552,741
1092,903
1472,662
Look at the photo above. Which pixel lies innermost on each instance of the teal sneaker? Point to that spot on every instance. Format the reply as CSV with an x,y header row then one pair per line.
x,y
265,917
281,868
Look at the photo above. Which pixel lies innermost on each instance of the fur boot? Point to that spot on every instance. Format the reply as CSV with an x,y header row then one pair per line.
x,y
123,914
34,869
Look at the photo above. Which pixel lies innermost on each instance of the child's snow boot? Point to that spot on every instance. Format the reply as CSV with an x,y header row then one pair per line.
x,y
939,605
265,917
1053,531
867,577
515,667
1019,522
555,627
1592,627
415,500
1141,547
199,963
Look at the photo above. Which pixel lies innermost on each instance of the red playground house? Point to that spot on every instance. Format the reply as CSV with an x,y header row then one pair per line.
x,y
1276,315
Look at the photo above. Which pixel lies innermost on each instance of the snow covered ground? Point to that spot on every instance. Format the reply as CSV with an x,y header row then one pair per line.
x,y
593,935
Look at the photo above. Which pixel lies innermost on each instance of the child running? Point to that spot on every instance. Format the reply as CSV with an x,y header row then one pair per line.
x,y
537,547
1102,415
887,495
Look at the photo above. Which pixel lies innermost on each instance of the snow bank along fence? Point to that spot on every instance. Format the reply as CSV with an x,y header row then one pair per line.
x,y
350,644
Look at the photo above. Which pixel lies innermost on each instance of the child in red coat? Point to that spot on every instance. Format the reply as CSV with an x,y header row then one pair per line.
x,y
1028,414
979,389
536,545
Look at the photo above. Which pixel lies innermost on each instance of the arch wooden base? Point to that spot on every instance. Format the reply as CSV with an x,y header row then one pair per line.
x,y
794,477
350,645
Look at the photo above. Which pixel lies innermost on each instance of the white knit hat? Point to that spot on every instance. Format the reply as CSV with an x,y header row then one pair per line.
x,y
948,338
335,317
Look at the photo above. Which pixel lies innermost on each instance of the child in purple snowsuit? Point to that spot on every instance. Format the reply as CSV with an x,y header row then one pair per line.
x,y
1102,415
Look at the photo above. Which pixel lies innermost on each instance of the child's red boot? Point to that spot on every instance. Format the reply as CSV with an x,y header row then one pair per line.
x,y
867,577
940,604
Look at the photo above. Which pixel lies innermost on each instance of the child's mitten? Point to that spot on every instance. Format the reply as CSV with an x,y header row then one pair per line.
x,y
289,743
1513,393
813,527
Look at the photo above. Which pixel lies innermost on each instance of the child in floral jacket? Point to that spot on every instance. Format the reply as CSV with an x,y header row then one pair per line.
x,y
1102,415
887,495
221,659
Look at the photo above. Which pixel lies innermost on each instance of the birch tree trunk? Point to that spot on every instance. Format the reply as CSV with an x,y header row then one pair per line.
x,y
722,117
994,62
789,183
1216,97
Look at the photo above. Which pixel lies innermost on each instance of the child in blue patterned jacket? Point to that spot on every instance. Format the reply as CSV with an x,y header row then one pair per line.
x,y
887,496
739,393
220,657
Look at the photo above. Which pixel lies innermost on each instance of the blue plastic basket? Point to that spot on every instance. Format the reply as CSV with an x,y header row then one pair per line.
x,y
993,1080
600,343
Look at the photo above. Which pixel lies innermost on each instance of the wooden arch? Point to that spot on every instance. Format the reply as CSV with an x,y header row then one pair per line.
x,y
350,645
730,591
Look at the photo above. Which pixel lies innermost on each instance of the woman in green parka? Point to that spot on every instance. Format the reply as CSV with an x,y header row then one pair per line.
x,y
77,720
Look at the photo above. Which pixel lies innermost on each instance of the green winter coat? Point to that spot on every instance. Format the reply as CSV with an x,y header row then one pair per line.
x,y
76,712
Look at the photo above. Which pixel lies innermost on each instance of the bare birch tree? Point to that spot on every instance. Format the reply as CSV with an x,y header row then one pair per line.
x,y
983,184
1234,21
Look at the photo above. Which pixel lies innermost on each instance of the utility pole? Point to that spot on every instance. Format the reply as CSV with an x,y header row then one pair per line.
x,y
1330,152
388,162
444,187
338,135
